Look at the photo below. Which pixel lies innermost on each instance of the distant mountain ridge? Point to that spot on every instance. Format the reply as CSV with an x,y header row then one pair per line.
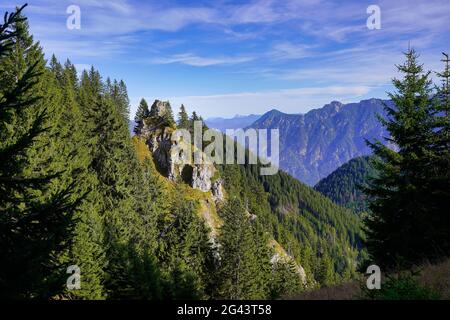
x,y
314,144
237,122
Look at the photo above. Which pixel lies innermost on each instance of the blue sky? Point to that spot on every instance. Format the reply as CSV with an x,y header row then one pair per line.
x,y
223,58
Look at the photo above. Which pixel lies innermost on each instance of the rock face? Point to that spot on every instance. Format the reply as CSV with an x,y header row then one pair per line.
x,y
217,191
201,177
170,161
160,109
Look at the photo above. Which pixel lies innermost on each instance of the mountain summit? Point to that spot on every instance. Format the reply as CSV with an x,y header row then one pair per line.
x,y
314,144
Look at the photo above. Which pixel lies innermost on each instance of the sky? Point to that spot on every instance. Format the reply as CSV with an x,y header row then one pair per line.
x,y
223,58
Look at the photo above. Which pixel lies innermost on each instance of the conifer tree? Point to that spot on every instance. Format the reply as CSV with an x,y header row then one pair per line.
x,y
194,117
118,92
111,162
125,208
168,117
325,273
183,118
56,68
184,252
285,280
37,200
238,255
71,71
86,244
142,112
403,223
437,164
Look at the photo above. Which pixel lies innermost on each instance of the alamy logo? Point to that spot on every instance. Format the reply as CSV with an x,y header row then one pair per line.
x,y
74,20
74,280
374,20
190,151
374,280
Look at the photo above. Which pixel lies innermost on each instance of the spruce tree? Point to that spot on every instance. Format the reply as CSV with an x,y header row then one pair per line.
x,y
401,229
111,163
238,255
86,244
285,280
437,164
142,112
325,272
57,69
71,71
125,209
183,118
168,117
37,200
117,90
184,252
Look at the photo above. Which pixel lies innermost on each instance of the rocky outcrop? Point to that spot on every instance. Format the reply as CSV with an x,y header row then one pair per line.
x,y
160,109
201,177
157,130
160,144
217,191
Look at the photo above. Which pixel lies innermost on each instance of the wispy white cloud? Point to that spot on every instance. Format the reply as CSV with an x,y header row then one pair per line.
x,y
361,65
288,50
85,49
297,100
256,43
197,61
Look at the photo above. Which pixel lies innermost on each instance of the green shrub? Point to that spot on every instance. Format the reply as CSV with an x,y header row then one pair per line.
x,y
402,287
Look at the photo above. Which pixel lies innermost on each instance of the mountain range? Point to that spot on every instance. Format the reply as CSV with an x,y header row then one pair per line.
x,y
236,122
314,144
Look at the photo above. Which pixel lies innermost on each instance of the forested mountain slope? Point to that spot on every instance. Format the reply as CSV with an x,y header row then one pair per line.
x,y
344,186
323,239
79,194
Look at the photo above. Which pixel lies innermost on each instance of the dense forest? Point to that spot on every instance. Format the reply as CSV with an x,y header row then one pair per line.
x,y
76,190
345,185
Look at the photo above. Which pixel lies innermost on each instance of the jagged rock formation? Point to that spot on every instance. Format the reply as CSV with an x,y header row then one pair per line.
x,y
157,130
160,109
201,177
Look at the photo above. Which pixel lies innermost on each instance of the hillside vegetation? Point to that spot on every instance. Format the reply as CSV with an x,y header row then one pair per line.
x,y
79,194
425,282
89,213
345,185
